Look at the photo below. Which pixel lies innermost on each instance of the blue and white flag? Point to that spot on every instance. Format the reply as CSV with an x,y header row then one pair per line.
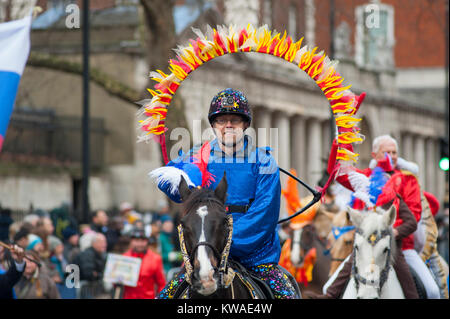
x,y
14,50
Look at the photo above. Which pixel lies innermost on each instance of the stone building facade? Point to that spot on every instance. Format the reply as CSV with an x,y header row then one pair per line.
x,y
284,99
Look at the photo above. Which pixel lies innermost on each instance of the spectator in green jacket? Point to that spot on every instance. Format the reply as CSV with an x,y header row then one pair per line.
x,y
168,253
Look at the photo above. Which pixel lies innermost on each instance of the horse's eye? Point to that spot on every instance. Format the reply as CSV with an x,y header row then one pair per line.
x,y
348,242
385,250
356,248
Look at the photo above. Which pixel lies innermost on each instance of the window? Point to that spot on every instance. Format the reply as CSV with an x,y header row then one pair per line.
x,y
375,41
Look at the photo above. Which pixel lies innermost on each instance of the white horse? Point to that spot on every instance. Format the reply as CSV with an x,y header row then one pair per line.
x,y
373,276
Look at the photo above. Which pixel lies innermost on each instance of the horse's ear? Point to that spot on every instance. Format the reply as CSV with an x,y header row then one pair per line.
x,y
347,215
355,216
184,189
390,215
221,189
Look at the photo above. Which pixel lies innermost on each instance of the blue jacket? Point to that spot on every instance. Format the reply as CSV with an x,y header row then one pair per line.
x,y
252,174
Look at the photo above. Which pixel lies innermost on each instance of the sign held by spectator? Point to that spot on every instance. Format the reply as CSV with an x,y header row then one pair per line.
x,y
122,270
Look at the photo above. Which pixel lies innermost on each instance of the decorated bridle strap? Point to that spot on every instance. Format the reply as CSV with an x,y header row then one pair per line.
x,y
226,249
187,261
223,256
375,237
339,231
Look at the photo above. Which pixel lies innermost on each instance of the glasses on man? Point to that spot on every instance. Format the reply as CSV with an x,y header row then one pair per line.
x,y
234,121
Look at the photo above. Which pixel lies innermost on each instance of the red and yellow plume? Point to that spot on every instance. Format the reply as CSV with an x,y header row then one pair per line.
x,y
225,40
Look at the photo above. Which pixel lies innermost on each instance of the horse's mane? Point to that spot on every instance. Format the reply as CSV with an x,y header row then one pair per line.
x,y
200,195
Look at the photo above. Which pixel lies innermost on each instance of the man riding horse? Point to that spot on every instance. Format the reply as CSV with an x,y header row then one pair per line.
x,y
253,191
390,193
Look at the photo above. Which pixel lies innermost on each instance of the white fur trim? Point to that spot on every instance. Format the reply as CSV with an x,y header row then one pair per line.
x,y
170,175
408,166
364,197
360,184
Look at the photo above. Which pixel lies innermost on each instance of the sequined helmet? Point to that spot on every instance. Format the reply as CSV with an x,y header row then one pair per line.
x,y
229,101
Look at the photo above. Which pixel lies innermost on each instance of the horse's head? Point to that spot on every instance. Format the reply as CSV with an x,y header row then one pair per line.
x,y
302,243
204,234
373,250
340,239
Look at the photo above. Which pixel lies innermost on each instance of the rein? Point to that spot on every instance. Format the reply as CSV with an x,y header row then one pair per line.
x,y
317,195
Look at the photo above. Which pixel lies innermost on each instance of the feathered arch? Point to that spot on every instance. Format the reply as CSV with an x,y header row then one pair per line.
x,y
216,42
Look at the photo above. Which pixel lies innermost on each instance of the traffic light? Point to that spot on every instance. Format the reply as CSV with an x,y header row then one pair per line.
x,y
443,159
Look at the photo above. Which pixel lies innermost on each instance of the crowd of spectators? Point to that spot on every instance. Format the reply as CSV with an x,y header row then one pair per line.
x,y
58,242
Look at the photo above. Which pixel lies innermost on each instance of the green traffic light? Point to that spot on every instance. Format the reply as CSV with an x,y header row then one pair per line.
x,y
443,164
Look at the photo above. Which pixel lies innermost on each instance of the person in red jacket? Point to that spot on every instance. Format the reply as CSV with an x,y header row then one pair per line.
x,y
151,276
405,184
380,191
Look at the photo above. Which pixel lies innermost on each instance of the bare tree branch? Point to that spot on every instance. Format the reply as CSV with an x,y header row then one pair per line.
x,y
160,41
104,80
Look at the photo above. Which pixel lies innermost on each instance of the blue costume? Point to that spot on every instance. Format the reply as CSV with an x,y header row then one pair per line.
x,y
254,179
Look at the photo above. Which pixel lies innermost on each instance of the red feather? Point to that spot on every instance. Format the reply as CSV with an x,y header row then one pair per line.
x,y
201,160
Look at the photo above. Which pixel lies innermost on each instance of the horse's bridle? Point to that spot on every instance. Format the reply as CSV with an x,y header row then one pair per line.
x,y
373,239
337,233
225,277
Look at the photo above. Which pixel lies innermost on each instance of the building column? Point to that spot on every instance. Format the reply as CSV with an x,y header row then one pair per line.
x,y
406,150
283,144
262,124
240,13
314,151
298,153
419,158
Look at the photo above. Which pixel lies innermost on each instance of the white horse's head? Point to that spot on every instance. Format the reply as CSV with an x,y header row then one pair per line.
x,y
373,250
